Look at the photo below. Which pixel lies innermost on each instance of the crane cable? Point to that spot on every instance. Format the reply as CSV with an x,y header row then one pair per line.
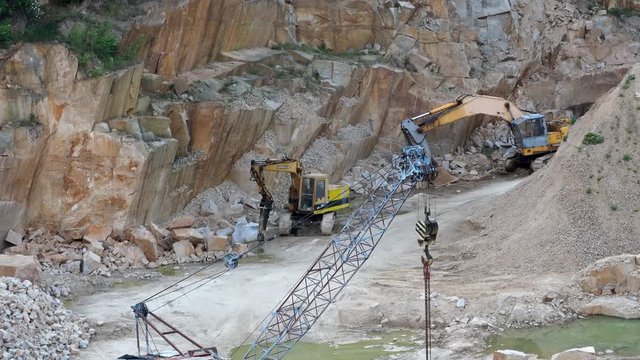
x,y
426,232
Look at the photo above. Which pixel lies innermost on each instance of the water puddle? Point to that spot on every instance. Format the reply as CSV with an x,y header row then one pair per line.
x,y
375,347
603,332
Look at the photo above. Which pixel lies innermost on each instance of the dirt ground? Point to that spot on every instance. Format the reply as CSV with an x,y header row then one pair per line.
x,y
386,294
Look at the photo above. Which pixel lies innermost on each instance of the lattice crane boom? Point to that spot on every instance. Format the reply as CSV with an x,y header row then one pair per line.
x,y
347,252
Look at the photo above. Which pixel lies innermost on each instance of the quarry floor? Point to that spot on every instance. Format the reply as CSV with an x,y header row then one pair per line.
x,y
386,294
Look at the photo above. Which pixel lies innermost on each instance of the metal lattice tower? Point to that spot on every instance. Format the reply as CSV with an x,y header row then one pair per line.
x,y
342,258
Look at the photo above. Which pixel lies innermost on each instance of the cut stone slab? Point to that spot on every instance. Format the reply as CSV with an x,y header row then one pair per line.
x,y
513,355
183,249
145,241
20,266
585,353
95,247
163,236
101,127
195,236
217,243
126,125
90,263
181,222
97,233
160,126
13,237
625,307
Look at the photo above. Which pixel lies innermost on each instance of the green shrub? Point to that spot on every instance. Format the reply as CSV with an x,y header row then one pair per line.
x,y
628,81
626,157
620,12
589,191
5,34
613,207
592,139
97,47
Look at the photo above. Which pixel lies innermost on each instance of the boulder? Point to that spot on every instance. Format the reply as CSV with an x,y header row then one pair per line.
x,y
585,353
145,240
97,233
183,249
163,236
101,127
235,210
158,125
209,208
181,222
133,254
513,355
615,274
155,83
195,236
13,237
245,232
199,250
20,266
225,231
239,248
617,306
90,263
179,128
217,243
95,247
126,125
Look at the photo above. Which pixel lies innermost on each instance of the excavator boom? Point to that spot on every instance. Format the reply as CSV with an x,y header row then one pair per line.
x,y
258,167
533,135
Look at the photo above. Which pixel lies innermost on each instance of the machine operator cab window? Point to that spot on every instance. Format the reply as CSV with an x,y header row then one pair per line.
x,y
314,192
530,131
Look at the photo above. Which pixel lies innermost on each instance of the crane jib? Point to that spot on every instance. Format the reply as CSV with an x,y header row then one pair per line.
x,y
342,258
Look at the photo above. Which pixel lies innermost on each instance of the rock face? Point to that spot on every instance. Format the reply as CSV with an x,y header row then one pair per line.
x,y
20,266
85,151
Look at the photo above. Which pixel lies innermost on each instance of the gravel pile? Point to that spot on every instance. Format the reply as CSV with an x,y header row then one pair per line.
x,y
35,325
584,205
320,155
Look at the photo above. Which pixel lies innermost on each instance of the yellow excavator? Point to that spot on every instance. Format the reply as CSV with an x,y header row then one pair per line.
x,y
535,138
312,199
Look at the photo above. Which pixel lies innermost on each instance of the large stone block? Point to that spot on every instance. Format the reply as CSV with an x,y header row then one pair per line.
x,y
145,240
196,236
217,243
183,249
97,233
158,125
20,266
585,353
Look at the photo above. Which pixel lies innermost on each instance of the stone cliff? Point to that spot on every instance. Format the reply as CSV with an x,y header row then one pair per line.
x,y
223,81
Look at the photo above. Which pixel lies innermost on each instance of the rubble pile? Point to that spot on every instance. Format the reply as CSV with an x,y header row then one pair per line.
x,y
218,221
36,325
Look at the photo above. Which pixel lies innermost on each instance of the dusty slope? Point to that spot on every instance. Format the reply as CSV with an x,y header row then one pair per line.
x,y
584,205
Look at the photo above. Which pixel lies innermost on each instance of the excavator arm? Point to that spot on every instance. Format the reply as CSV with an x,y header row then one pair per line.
x,y
258,167
416,128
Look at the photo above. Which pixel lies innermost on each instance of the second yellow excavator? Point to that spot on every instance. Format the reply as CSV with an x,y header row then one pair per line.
x,y
535,138
311,198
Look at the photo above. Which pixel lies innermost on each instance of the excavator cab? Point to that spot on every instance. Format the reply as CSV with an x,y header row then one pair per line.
x,y
530,132
313,192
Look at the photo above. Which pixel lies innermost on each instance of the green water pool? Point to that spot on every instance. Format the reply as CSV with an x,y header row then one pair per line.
x,y
603,332
373,347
